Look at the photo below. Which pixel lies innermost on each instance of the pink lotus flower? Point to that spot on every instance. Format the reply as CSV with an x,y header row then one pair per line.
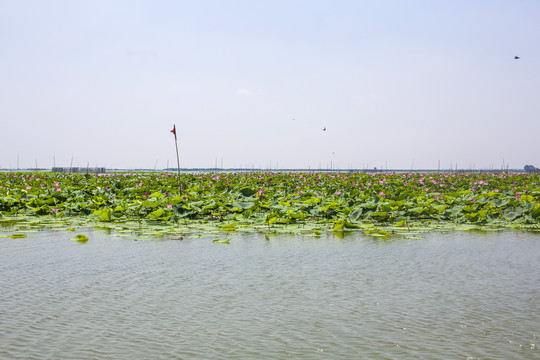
x,y
337,192
169,206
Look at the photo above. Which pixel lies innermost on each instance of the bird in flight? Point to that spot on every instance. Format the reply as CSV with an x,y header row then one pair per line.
x,y
516,57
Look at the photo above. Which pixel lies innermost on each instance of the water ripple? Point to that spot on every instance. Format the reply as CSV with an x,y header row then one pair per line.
x,y
457,295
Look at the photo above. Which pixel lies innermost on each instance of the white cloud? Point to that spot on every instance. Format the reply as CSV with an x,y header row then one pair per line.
x,y
245,92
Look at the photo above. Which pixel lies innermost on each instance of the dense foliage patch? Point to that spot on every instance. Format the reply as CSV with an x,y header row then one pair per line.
x,y
315,201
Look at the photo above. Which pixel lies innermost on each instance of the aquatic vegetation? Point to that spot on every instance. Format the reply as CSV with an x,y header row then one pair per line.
x,y
80,238
379,204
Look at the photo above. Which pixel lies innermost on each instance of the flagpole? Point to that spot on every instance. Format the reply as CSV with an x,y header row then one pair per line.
x,y
176,143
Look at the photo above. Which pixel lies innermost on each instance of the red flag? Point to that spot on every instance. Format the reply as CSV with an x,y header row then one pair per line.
x,y
174,130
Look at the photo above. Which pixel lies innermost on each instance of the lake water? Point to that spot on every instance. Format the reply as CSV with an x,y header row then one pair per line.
x,y
458,295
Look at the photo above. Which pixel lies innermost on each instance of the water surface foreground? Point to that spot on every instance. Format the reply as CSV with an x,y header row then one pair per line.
x,y
454,295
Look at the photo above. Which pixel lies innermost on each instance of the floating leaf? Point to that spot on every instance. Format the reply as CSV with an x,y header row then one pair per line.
x,y
80,238
18,236
229,227
401,223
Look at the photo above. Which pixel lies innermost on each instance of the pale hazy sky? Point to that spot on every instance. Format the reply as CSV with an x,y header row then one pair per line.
x,y
396,83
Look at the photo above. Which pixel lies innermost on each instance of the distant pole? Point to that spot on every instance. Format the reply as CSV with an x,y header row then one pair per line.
x,y
176,143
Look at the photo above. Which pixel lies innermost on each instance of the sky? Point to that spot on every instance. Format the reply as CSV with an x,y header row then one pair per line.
x,y
398,84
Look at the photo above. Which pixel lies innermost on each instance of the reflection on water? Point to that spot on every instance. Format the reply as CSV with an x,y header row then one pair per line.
x,y
448,296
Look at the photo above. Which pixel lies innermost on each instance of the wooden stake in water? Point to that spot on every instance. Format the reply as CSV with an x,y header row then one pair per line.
x,y
176,143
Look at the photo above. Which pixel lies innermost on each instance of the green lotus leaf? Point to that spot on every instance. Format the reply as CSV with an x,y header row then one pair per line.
x,y
244,204
247,192
18,236
499,200
355,214
401,223
80,238
157,195
229,227
156,214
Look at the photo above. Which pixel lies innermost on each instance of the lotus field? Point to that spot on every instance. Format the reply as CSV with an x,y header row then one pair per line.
x,y
307,203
